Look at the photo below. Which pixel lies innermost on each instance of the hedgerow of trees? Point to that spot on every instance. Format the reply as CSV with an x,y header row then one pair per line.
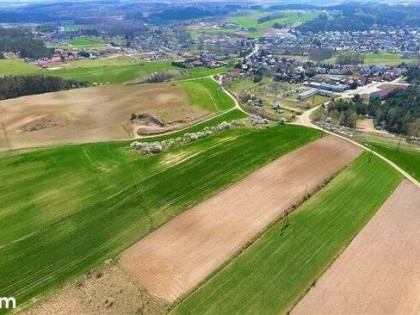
x,y
22,42
413,75
399,113
350,58
15,86
362,17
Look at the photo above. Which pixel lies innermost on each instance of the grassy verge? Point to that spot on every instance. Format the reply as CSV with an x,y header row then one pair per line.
x,y
65,210
206,94
406,158
275,272
231,115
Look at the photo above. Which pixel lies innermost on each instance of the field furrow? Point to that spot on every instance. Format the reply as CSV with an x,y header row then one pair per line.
x,y
275,272
100,211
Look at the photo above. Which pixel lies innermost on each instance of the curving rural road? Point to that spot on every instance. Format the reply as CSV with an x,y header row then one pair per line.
x,y
305,120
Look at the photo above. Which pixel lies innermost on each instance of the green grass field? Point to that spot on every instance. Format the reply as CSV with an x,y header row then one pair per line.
x,y
16,67
65,210
273,274
405,157
205,93
381,59
86,42
123,73
112,74
250,19
387,59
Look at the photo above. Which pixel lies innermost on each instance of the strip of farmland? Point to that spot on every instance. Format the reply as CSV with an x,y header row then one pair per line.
x,y
405,157
379,273
113,197
173,260
273,274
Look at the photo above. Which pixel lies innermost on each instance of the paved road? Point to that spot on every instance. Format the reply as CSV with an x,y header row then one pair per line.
x,y
237,106
370,88
256,49
304,120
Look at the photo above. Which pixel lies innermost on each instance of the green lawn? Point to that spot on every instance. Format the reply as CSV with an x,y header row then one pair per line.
x,y
406,158
198,92
65,210
16,67
274,273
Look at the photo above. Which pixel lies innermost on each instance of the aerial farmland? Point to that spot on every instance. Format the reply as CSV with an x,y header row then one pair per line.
x,y
196,158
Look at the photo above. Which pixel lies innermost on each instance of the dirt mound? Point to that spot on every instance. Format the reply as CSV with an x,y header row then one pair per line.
x,y
44,123
178,256
106,290
146,120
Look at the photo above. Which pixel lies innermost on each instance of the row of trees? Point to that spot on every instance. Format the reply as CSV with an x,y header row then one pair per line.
x,y
350,58
413,75
271,17
22,42
399,113
361,17
15,86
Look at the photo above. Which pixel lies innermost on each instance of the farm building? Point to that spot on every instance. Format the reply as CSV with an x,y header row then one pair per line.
x,y
326,93
334,88
329,87
385,92
307,94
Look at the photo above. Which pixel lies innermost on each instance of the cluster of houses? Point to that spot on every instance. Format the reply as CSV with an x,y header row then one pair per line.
x,y
204,59
404,41
62,55
294,70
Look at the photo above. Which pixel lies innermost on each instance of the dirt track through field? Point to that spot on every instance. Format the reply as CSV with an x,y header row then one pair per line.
x,y
379,273
177,257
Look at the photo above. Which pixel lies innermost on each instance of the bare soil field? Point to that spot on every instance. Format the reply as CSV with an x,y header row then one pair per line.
x,y
174,259
95,114
107,290
366,125
379,273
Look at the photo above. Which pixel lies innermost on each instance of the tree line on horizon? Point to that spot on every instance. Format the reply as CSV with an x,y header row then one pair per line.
x,y
16,86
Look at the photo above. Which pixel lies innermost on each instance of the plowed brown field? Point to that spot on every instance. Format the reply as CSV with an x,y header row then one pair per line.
x,y
177,257
93,114
379,273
